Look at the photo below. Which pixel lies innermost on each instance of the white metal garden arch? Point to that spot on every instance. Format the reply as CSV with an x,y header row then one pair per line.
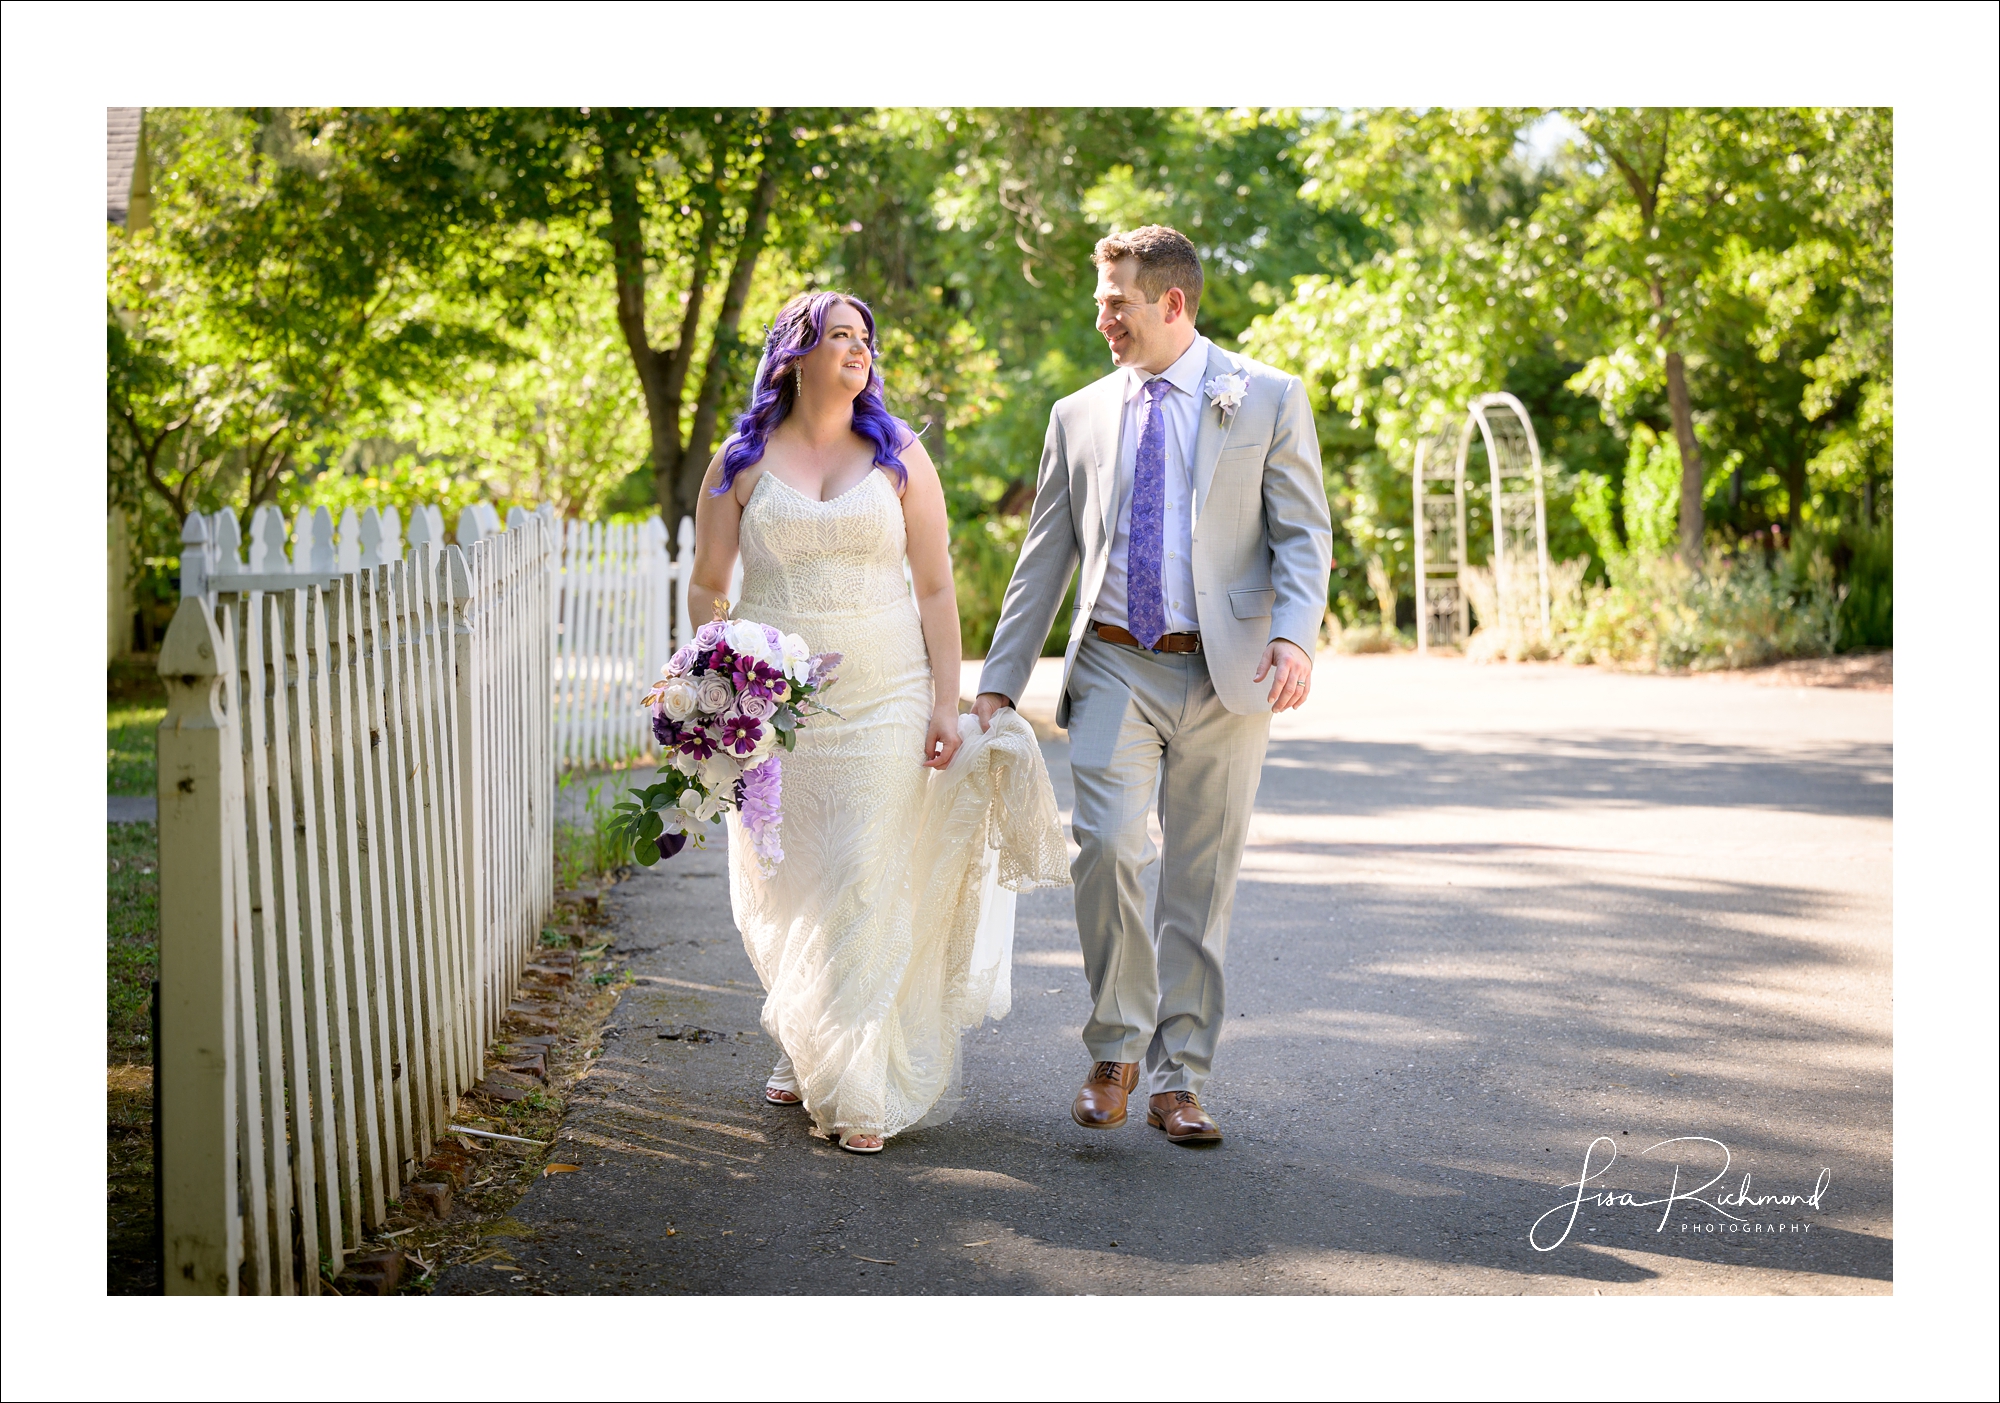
x,y
1520,557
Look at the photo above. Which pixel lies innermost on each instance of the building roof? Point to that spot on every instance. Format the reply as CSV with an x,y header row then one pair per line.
x,y
121,129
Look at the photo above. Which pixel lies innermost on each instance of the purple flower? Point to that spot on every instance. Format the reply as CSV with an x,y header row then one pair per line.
x,y
777,640
758,795
755,705
696,742
740,734
681,663
755,678
665,731
709,634
670,843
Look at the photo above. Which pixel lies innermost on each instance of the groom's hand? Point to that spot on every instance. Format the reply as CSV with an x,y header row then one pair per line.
x,y
985,705
1293,669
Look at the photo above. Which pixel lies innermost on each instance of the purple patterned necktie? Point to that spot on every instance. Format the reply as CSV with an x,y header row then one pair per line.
x,y
1145,604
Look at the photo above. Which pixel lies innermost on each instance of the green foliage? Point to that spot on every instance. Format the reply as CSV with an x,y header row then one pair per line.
x,y
1753,244
983,550
634,825
1652,493
1657,612
350,305
1864,556
595,847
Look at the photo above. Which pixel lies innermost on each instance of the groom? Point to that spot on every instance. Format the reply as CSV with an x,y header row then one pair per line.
x,y
1187,484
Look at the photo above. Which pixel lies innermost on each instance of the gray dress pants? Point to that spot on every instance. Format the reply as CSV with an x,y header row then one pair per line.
x,y
1138,717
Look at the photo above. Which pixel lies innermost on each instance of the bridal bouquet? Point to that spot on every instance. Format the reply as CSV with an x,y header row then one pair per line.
x,y
726,708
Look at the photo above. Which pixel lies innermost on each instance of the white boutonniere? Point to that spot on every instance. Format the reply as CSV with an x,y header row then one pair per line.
x,y
1227,392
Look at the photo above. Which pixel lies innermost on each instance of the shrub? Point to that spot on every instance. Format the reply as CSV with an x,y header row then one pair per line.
x,y
1656,612
1519,635
1867,571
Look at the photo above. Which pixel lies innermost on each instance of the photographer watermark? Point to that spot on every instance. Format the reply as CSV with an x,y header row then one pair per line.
x,y
1694,1204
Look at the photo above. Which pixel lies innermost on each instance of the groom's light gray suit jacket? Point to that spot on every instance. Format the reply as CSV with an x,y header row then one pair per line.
x,y
1263,537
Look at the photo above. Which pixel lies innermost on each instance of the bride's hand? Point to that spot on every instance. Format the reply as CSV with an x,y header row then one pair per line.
x,y
941,741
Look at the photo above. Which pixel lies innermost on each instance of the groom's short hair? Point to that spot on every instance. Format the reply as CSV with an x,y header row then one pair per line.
x,y
1166,258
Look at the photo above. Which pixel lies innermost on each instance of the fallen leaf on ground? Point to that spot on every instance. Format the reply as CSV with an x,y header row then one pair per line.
x,y
549,1169
878,1261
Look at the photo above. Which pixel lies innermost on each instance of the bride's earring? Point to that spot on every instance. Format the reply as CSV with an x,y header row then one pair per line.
x,y
798,381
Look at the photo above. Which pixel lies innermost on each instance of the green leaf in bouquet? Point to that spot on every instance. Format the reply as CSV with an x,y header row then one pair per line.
x,y
645,854
650,827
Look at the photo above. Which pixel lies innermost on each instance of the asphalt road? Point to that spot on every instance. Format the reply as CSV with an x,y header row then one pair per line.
x,y
1489,916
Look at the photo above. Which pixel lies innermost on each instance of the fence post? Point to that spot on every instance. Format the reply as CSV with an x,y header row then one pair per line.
x,y
469,699
659,589
683,573
203,1233
197,556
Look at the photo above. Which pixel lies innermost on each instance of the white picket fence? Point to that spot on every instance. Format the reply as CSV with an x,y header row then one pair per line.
x,y
355,807
620,603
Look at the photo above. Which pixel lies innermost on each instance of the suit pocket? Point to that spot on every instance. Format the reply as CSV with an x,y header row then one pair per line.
x,y
1252,603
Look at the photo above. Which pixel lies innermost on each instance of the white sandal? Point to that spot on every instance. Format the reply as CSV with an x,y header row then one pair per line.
x,y
783,1087
847,1137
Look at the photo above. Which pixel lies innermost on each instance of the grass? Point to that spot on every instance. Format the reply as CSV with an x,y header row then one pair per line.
x,y
132,927
590,849
132,733
135,702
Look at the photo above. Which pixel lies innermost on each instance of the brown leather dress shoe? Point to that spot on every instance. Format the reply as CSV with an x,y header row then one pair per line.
x,y
1101,1103
1181,1116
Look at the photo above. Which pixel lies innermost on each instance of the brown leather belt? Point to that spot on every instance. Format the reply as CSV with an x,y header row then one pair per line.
x,y
1169,642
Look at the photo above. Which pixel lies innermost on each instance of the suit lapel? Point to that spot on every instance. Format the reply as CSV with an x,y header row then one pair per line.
x,y
1209,432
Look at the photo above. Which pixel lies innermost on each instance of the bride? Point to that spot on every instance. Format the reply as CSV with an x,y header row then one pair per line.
x,y
887,927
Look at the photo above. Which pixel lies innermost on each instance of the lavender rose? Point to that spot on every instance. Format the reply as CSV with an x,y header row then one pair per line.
x,y
681,663
756,707
710,634
713,694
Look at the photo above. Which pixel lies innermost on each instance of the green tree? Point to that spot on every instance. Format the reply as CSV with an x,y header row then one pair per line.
x,y
286,293
683,204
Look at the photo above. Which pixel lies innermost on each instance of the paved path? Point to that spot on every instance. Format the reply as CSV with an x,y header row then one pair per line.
x,y
1488,915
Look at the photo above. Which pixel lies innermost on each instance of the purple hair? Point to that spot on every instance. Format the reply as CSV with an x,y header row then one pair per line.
x,y
795,334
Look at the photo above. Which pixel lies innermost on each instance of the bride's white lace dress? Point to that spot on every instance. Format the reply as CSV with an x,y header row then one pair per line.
x,y
887,929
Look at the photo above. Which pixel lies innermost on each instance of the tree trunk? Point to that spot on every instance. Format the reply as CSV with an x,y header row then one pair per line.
x,y
1693,473
723,342
1384,586
1795,493
626,236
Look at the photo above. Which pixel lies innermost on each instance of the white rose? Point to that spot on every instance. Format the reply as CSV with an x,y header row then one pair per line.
x,y
678,698
748,640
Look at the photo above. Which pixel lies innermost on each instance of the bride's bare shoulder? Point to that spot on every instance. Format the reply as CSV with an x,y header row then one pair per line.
x,y
745,481
917,466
